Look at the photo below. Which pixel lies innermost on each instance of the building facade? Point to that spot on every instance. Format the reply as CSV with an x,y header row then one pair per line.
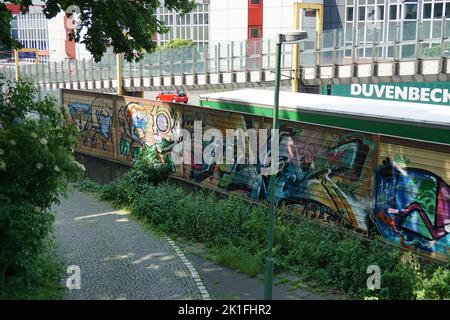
x,y
238,20
387,21
232,20
194,25
50,36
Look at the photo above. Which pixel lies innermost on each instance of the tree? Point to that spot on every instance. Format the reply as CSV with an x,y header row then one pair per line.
x,y
126,25
179,43
36,161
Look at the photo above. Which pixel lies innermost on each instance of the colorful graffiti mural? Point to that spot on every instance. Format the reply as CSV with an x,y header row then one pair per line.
x,y
133,127
412,207
321,174
354,179
146,128
321,184
94,118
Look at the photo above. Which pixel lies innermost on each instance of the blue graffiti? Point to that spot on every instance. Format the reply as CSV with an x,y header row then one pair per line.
x,y
412,206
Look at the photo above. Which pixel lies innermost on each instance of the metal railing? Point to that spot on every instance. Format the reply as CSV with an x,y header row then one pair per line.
x,y
336,47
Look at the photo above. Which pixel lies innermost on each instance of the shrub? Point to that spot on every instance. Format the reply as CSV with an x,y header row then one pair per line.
x,y
179,43
39,281
438,285
36,161
87,185
132,184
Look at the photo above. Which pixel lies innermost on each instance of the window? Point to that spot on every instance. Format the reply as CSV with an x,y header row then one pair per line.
x,y
193,25
380,12
361,13
427,11
393,12
255,32
14,34
410,11
349,14
255,3
370,13
438,10
310,13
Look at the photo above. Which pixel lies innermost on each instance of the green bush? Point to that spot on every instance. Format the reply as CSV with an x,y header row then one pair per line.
x,y
179,43
36,161
131,185
39,281
438,285
87,185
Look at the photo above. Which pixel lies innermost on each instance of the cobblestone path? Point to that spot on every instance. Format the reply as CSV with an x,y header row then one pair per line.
x,y
118,258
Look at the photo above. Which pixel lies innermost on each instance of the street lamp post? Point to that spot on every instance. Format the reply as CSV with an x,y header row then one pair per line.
x,y
291,37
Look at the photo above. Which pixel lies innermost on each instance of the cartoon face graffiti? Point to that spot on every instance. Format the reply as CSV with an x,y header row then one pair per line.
x,y
163,122
81,114
137,120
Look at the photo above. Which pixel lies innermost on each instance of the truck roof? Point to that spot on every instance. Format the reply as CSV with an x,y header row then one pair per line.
x,y
421,114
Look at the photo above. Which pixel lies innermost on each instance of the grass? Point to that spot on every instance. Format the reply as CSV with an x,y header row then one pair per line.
x,y
240,260
281,281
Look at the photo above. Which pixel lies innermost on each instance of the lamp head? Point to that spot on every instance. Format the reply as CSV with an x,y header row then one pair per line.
x,y
292,36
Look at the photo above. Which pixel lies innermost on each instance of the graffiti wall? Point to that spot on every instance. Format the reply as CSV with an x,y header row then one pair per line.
x,y
93,115
325,174
145,127
413,198
349,178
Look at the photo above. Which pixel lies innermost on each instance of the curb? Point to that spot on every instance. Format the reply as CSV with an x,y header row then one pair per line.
x,y
198,281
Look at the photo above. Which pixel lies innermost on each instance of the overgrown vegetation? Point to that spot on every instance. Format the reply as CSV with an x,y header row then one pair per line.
x,y
36,161
236,231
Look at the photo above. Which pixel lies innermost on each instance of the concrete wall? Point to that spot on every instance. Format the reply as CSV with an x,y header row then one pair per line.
x,y
101,170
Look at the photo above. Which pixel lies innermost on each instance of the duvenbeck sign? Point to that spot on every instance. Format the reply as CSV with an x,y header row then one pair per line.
x,y
423,92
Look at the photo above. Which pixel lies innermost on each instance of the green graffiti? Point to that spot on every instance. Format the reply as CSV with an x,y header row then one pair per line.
x,y
136,152
398,158
124,147
426,197
160,153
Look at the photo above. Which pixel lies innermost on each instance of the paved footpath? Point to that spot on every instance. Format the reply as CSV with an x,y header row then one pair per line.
x,y
118,257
